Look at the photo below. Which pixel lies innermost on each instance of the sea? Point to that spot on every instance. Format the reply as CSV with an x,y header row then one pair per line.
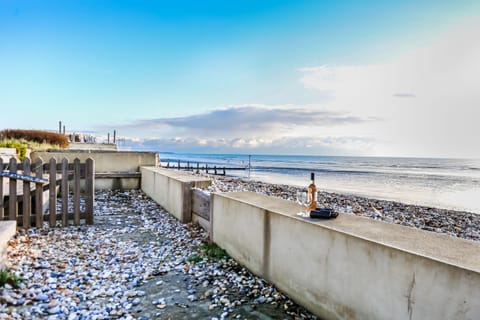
x,y
434,182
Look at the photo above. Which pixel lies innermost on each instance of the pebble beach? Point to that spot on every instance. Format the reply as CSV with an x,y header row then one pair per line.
x,y
138,262
459,224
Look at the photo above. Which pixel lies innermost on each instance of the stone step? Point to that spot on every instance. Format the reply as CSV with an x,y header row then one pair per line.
x,y
7,231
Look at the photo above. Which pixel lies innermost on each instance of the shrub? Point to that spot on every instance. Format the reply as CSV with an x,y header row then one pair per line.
x,y
38,136
21,148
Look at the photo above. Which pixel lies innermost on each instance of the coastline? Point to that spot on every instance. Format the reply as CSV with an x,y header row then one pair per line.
x,y
460,224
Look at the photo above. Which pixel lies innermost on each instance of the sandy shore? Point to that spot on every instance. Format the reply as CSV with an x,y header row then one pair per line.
x,y
460,224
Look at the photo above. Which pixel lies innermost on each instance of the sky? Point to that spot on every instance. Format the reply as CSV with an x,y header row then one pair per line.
x,y
373,78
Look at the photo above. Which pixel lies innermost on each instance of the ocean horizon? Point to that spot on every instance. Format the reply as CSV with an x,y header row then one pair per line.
x,y
434,182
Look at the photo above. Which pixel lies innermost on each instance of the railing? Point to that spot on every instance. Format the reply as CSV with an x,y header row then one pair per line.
x,y
28,182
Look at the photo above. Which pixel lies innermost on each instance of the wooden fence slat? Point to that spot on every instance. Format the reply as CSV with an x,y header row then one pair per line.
x,y
27,199
89,190
64,189
38,193
76,191
2,212
52,198
12,196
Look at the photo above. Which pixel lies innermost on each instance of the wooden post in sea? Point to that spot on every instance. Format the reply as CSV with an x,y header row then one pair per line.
x,y
178,164
198,170
215,170
206,168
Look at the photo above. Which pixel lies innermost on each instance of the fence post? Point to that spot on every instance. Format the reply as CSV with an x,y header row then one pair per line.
x,y
76,191
89,189
1,191
52,198
39,194
27,200
64,189
12,196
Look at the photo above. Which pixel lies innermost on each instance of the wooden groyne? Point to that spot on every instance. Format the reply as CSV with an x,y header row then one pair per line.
x,y
204,167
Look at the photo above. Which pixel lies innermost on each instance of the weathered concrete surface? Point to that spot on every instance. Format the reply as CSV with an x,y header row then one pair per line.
x,y
172,189
108,162
7,231
350,267
92,146
7,153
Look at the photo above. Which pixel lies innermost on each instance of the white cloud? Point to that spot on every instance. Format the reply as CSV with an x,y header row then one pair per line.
x,y
281,145
440,81
425,103
248,121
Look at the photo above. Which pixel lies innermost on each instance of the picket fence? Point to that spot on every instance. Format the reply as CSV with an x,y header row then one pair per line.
x,y
26,184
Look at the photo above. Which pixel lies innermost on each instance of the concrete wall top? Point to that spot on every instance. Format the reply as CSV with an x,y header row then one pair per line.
x,y
105,161
7,153
177,175
92,146
443,248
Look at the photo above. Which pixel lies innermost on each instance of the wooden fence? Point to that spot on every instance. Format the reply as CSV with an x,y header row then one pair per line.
x,y
28,182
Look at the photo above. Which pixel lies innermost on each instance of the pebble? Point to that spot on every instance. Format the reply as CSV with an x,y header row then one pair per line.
x,y
459,224
94,272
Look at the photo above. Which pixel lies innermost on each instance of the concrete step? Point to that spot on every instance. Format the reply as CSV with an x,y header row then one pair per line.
x,y
7,231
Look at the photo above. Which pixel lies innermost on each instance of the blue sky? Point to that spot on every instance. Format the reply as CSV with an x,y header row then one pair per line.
x,y
247,76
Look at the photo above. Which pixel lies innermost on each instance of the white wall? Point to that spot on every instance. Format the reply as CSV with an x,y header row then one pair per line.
x,y
108,162
172,189
350,267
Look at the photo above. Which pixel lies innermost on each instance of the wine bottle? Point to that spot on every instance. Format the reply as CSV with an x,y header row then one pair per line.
x,y
312,194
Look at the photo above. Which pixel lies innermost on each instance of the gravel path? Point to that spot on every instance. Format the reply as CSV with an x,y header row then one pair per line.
x,y
136,262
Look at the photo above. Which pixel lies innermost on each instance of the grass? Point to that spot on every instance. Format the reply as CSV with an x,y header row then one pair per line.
x,y
210,251
7,277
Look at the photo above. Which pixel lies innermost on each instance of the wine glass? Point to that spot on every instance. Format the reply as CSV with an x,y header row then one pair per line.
x,y
302,200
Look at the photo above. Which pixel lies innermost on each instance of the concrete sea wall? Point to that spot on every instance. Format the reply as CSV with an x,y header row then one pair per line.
x,y
113,169
347,268
172,190
350,267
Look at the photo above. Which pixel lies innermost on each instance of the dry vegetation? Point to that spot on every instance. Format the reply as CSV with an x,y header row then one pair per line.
x,y
35,140
39,136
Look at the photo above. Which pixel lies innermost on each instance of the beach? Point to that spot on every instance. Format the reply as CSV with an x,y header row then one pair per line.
x,y
136,262
139,262
459,224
